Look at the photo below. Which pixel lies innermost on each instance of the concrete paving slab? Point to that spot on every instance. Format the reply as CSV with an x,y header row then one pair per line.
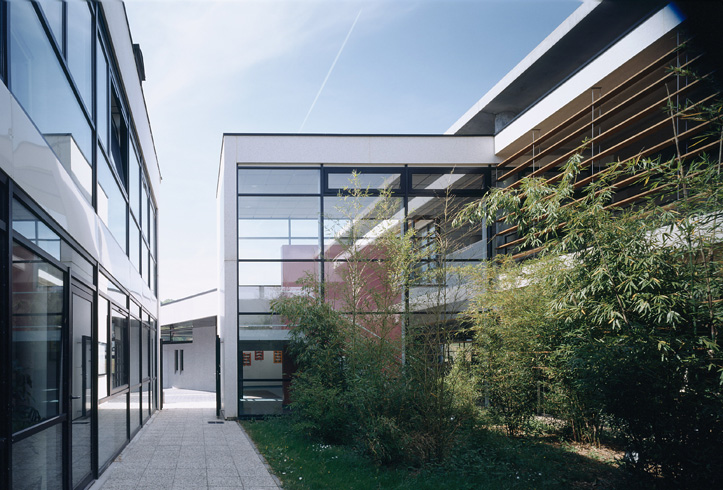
x,y
179,449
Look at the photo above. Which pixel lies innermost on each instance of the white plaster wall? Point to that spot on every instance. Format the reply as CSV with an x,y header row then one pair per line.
x,y
228,317
369,150
203,305
199,358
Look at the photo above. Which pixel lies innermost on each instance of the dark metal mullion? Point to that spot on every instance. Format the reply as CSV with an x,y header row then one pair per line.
x,y
239,363
127,367
4,52
405,227
5,334
66,335
40,214
39,427
322,221
94,373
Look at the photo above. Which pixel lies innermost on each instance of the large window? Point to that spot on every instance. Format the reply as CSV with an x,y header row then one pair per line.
x,y
40,85
60,72
37,338
298,223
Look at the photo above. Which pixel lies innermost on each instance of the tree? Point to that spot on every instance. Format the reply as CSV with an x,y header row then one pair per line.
x,y
639,303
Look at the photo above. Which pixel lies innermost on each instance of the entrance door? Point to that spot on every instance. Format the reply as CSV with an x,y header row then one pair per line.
x,y
39,333
80,386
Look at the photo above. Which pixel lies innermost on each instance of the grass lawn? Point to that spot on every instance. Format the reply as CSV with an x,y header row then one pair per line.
x,y
491,461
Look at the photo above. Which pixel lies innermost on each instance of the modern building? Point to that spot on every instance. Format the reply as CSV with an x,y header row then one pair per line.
x,y
604,78
188,347
78,227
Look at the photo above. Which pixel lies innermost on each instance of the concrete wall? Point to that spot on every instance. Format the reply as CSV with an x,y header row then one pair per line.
x,y
199,359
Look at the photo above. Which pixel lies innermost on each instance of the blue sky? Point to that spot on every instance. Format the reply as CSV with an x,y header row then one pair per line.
x,y
215,67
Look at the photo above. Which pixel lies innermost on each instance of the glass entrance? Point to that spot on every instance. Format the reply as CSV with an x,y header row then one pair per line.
x,y
38,312
81,382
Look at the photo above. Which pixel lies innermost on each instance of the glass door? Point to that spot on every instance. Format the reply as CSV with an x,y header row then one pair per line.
x,y
39,332
81,382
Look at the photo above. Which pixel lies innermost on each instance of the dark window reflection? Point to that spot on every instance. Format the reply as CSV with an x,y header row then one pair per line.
x,y
37,316
118,349
37,460
112,427
40,85
278,181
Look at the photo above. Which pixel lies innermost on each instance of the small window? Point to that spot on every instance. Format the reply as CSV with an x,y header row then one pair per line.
x,y
365,180
246,358
278,357
259,355
176,361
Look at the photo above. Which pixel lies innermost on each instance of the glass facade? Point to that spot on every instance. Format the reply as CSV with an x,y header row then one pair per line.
x,y
77,372
297,223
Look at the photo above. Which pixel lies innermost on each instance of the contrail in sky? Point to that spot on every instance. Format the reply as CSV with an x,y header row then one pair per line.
x,y
329,72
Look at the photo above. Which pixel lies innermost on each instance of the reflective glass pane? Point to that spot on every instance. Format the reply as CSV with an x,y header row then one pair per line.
x,y
278,207
37,327
111,203
53,10
355,223
134,185
135,351
269,321
108,287
102,348
145,353
286,274
82,380
37,460
103,102
144,211
80,49
438,238
145,264
112,427
306,228
135,409
278,181
147,402
300,249
134,245
364,180
118,349
40,85
30,227
442,181
258,298
263,228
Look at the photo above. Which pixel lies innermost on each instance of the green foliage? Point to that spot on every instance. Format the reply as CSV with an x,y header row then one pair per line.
x,y
636,305
367,375
482,460
512,325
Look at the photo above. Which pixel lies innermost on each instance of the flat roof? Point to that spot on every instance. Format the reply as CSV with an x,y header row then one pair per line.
x,y
590,30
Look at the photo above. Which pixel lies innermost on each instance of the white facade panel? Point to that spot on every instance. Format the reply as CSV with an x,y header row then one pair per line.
x,y
363,150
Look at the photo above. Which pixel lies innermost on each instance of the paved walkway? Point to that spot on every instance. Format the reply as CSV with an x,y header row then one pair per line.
x,y
179,448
